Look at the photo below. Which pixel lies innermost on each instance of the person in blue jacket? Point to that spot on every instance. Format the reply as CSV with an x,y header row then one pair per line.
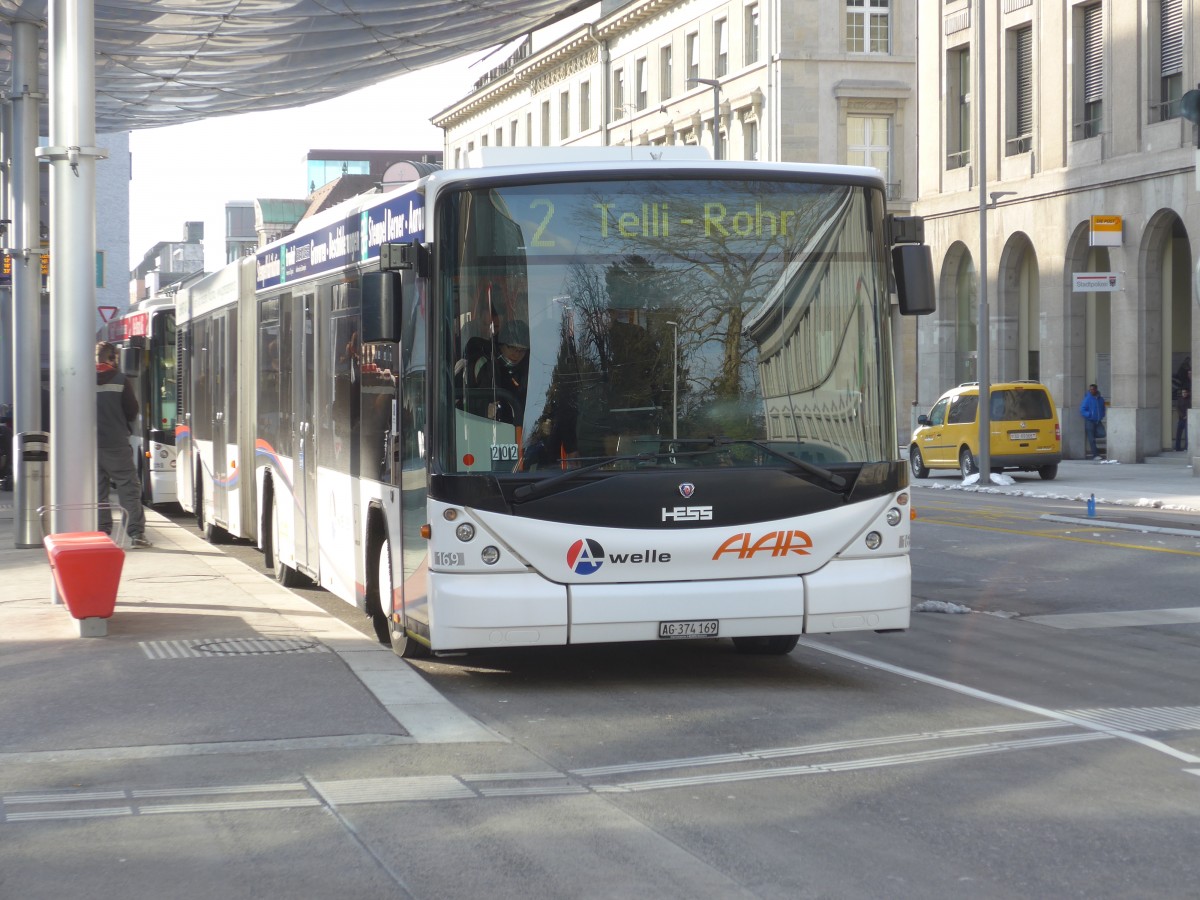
x,y
1092,410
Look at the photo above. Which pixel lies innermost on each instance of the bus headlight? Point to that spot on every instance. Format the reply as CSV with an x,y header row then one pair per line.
x,y
490,555
465,531
874,540
893,516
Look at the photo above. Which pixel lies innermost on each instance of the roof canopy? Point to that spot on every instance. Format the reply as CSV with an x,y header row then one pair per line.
x,y
172,61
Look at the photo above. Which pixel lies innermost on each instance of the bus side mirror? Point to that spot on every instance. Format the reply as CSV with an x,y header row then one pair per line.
x,y
131,361
381,296
913,264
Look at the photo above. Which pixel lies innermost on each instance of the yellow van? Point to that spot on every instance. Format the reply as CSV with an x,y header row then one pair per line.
x,y
1025,431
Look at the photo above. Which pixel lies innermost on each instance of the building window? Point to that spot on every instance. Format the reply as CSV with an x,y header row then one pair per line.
x,y
750,140
720,47
513,132
529,129
1020,91
564,115
483,140
1170,59
585,105
642,77
1090,89
868,26
958,108
869,143
499,137
693,56
750,32
545,123
664,72
619,94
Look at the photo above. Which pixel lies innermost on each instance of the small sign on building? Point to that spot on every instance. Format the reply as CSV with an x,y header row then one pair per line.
x,y
1106,231
1097,282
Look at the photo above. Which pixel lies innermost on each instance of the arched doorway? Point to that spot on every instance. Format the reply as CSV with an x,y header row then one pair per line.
x,y
1019,314
1167,268
960,310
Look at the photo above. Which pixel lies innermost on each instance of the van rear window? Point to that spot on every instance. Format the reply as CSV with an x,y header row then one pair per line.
x,y
1020,404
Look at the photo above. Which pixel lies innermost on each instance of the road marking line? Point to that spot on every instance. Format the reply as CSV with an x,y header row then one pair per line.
x,y
1130,618
1060,537
1149,743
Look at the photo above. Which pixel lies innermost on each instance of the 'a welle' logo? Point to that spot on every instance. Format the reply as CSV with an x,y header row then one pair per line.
x,y
586,556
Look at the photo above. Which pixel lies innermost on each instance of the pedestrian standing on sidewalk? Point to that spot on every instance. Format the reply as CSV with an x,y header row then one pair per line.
x,y
116,411
1092,410
1181,396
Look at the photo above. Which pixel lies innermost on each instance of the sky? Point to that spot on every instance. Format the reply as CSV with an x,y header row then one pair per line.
x,y
187,173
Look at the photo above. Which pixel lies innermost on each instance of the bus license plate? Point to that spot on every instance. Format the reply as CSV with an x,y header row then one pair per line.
x,y
699,628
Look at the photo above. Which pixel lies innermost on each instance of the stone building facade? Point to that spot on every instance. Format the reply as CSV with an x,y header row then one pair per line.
x,y
1089,171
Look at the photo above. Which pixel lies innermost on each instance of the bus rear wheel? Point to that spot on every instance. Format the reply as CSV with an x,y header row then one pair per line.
x,y
772,645
284,574
403,645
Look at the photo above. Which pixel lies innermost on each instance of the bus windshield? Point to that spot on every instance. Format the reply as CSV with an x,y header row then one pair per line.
x,y
655,322
162,374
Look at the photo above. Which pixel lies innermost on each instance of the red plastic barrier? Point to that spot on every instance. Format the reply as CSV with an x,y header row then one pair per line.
x,y
87,571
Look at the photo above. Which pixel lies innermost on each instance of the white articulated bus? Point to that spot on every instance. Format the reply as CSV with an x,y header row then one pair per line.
x,y
574,401
145,336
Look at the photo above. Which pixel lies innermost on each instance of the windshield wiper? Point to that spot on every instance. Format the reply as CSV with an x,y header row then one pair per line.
x,y
537,489
832,479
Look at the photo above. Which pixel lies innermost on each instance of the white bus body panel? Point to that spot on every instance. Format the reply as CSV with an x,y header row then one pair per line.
x,y
810,574
631,612
866,594
469,611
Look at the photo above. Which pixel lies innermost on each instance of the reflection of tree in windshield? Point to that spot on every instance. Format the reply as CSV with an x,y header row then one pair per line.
x,y
706,267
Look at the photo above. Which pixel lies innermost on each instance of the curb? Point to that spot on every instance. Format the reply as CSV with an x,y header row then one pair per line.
x,y
1125,526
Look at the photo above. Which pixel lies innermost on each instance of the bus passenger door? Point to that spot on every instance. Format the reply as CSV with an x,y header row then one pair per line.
x,y
305,424
221,406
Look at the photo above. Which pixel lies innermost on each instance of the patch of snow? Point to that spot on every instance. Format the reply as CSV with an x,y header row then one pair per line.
x,y
940,606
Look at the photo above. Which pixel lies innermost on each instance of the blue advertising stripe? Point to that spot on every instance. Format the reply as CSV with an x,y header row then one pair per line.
x,y
356,237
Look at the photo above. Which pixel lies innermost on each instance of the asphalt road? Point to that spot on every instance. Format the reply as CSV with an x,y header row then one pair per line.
x,y
1010,750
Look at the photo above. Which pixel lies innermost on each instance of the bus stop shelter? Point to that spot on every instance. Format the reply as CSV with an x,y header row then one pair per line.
x,y
79,68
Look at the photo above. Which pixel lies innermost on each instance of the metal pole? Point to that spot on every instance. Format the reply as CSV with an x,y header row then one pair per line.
x,y
6,335
26,273
716,125
982,326
72,265
716,89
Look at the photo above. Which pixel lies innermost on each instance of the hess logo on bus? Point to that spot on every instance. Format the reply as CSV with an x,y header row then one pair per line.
x,y
586,556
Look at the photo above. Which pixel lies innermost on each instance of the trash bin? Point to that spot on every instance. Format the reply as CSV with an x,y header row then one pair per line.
x,y
31,487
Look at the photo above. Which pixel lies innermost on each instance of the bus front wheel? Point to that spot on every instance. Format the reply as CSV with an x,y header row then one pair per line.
x,y
772,645
403,645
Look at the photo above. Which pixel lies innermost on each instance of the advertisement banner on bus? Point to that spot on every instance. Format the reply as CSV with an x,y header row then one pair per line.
x,y
341,242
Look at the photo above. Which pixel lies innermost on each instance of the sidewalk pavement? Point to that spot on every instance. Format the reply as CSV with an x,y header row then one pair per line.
x,y
207,655
203,655
1159,495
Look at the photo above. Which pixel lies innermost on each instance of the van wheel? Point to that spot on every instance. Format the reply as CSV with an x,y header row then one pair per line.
x,y
966,462
1048,472
916,463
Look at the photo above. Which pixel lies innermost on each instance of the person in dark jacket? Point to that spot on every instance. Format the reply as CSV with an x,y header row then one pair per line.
x,y
1093,410
116,411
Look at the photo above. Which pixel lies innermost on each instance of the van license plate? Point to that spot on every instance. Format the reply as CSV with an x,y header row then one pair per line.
x,y
698,628
1022,435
